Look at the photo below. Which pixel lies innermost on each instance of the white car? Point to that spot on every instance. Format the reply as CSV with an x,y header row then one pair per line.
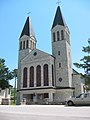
x,y
82,99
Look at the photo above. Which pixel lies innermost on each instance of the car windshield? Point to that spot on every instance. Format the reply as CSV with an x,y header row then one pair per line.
x,y
79,96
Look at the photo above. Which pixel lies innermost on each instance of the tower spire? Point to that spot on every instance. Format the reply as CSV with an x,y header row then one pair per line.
x,y
58,20
27,29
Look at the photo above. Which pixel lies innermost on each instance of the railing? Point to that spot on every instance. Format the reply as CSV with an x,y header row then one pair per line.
x,y
45,101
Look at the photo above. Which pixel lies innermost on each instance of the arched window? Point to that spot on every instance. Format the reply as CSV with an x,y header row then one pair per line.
x,y
31,45
21,45
59,65
62,35
38,75
45,74
27,44
52,76
58,52
54,37
24,45
35,45
25,77
58,36
31,77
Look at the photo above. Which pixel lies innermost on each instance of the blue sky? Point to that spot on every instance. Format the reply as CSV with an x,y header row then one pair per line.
x,y
13,14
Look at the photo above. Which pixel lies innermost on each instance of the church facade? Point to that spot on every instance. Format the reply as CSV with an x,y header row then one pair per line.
x,y
43,76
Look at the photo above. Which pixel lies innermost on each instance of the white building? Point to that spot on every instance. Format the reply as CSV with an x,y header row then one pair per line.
x,y
5,95
42,75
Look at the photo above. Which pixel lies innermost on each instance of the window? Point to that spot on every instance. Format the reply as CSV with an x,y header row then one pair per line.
x,y
45,74
31,76
85,95
88,94
46,95
21,45
35,45
52,76
59,65
62,35
35,53
24,45
31,44
60,79
54,38
38,75
25,77
58,52
27,44
58,36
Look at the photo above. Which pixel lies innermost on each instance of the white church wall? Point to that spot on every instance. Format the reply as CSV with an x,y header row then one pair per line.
x,y
69,62
40,60
60,71
65,71
5,94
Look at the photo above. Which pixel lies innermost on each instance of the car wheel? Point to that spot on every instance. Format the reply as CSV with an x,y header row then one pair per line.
x,y
70,103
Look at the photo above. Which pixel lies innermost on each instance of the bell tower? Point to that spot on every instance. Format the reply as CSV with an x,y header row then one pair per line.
x,y
27,40
61,50
27,43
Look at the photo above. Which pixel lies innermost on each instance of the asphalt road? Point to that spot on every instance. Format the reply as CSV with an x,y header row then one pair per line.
x,y
44,112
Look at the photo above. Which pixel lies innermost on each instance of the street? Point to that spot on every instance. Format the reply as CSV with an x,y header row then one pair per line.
x,y
44,112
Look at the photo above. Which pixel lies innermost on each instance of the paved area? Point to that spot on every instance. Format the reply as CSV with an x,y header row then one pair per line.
x,y
44,112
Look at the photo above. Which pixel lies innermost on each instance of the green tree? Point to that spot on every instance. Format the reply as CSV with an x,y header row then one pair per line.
x,y
5,75
85,64
15,76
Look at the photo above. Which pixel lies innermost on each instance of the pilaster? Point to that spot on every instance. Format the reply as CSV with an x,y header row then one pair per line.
x,y
28,74
50,75
35,76
50,97
41,75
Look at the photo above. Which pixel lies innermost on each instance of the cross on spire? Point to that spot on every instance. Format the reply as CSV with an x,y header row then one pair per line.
x,y
28,13
58,2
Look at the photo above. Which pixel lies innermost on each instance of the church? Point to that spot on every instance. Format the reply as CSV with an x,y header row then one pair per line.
x,y
43,76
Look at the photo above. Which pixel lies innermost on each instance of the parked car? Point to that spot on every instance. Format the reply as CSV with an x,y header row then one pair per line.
x,y
82,99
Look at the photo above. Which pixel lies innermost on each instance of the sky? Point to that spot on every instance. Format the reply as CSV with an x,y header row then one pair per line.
x,y
13,14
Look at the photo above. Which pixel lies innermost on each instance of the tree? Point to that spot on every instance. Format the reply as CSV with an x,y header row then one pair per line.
x,y
5,75
85,64
15,76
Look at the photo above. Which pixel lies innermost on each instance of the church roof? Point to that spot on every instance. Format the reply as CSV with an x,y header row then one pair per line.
x,y
58,20
75,72
27,29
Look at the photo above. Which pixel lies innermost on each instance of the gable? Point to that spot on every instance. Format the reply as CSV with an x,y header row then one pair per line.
x,y
37,55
